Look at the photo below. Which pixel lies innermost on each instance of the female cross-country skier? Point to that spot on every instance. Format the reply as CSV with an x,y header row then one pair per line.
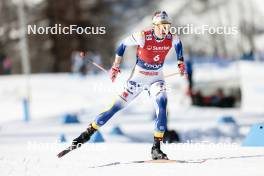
x,y
152,48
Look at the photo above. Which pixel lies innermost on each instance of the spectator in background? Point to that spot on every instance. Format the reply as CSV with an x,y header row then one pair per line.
x,y
82,64
2,56
87,58
93,57
7,66
77,62
197,98
217,98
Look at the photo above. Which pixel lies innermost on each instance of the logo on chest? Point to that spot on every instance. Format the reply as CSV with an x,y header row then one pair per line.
x,y
157,48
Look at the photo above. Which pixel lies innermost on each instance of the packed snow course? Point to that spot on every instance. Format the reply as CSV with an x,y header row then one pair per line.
x,y
30,148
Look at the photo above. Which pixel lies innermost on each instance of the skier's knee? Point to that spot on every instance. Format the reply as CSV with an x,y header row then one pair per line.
x,y
157,88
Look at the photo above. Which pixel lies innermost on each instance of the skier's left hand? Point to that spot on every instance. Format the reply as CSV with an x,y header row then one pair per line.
x,y
181,67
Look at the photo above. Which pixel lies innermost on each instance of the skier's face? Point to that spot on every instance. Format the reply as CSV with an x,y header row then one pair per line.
x,y
161,30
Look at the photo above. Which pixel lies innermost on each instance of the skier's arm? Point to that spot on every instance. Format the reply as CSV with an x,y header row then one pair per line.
x,y
117,61
177,44
135,39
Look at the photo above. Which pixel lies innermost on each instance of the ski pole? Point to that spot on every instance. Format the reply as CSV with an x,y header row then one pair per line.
x,y
173,74
98,66
82,54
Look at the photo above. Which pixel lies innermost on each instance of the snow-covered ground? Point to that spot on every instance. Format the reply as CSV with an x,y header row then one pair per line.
x,y
31,148
228,160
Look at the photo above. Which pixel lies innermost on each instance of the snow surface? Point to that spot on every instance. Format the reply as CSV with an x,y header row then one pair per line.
x,y
18,160
31,148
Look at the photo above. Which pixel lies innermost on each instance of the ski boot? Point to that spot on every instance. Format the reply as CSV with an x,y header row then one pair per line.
x,y
156,153
84,137
76,143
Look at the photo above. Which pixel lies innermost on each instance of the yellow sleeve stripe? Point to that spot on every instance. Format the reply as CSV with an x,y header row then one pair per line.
x,y
158,134
95,126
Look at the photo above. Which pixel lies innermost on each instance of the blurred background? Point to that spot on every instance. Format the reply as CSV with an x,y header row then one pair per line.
x,y
52,53
44,81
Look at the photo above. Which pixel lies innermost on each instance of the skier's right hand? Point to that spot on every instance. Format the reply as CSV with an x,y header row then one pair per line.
x,y
114,72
